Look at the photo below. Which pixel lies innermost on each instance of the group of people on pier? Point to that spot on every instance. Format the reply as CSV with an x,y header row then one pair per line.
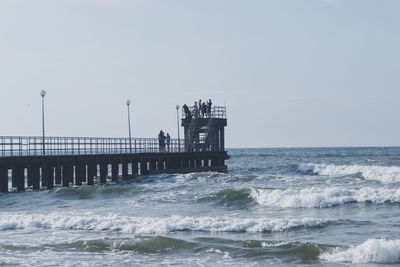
x,y
164,141
199,110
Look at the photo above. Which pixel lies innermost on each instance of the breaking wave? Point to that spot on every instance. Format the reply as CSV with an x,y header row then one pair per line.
x,y
323,197
371,251
377,173
153,225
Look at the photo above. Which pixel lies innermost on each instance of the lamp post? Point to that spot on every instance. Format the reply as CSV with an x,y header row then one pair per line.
x,y
43,93
177,120
128,103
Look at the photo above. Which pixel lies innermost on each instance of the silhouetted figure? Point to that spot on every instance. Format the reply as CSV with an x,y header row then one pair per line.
x,y
161,141
209,104
168,142
203,110
195,110
188,114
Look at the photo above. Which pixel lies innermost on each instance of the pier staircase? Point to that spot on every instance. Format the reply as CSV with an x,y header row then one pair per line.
x,y
205,134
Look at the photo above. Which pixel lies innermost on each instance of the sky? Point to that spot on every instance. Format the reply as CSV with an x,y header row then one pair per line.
x,y
292,73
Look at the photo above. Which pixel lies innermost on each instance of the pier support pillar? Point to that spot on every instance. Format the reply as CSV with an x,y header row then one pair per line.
x,y
160,164
214,162
34,172
48,174
153,165
125,174
3,179
30,176
18,177
205,162
58,174
168,164
114,171
134,167
185,163
143,168
198,163
80,173
92,172
103,172
67,174
43,177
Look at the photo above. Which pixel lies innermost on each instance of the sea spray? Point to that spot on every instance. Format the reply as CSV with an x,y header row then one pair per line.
x,y
150,225
317,197
378,173
371,251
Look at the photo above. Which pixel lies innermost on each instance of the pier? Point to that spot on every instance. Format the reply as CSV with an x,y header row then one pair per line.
x,y
45,162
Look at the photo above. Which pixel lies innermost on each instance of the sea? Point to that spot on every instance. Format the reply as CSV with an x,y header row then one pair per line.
x,y
275,206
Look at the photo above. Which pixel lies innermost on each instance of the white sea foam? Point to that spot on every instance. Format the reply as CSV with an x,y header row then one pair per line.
x,y
371,251
150,225
322,197
377,173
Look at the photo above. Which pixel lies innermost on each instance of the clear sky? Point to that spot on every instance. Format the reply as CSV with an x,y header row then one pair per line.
x,y
292,73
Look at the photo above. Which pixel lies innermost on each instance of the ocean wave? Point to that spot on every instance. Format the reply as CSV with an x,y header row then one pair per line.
x,y
371,251
377,173
230,197
150,225
88,192
315,197
156,244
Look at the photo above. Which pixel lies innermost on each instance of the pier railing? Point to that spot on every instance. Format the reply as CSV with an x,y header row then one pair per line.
x,y
217,112
14,146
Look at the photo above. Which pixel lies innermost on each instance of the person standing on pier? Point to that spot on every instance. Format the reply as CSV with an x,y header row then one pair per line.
x,y
209,104
188,114
195,110
161,141
200,108
203,110
168,142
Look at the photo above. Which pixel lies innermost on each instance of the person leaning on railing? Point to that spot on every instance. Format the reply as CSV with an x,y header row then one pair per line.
x,y
188,114
196,110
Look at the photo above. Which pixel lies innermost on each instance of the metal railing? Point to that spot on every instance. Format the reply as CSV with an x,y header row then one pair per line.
x,y
215,112
14,146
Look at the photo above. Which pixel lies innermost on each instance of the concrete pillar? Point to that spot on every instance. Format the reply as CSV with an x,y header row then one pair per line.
x,y
160,164
134,167
206,163
103,172
67,174
92,172
58,174
143,167
169,164
215,162
185,163
43,177
79,173
114,171
13,181
48,174
125,174
153,165
18,176
35,172
30,176
198,163
83,175
3,179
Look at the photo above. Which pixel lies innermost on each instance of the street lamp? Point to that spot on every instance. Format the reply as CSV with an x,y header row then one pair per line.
x,y
43,93
177,120
128,103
